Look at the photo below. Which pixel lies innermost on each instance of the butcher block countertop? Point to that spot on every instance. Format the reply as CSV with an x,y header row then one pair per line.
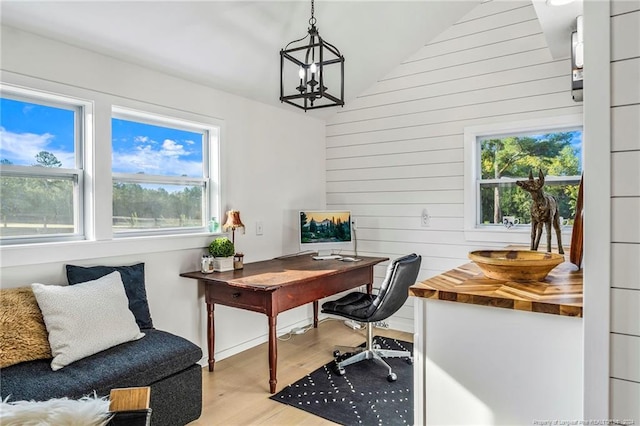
x,y
559,294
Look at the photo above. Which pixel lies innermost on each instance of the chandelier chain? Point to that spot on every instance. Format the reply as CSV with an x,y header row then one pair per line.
x,y
312,20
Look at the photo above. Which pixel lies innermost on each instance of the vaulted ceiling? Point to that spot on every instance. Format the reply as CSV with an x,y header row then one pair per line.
x,y
234,45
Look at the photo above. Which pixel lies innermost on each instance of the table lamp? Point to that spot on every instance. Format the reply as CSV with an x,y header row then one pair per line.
x,y
233,222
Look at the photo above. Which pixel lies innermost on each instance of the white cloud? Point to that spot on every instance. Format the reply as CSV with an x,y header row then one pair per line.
x,y
168,160
172,148
22,148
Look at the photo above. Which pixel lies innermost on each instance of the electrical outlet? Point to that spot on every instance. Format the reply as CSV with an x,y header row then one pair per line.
x,y
381,324
425,219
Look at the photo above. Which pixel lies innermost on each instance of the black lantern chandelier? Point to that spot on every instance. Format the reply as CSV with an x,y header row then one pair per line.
x,y
313,67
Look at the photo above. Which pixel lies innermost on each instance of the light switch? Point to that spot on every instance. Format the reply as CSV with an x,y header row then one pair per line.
x,y
425,219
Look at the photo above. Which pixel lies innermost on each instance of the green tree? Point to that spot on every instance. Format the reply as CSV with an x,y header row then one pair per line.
x,y
47,159
37,200
51,197
162,207
514,157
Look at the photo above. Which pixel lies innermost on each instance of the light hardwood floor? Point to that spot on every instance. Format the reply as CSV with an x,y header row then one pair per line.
x,y
237,392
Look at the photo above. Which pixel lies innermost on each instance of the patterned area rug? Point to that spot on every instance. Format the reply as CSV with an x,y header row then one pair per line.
x,y
363,396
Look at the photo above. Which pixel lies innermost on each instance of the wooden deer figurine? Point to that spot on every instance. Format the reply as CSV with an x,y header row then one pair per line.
x,y
544,210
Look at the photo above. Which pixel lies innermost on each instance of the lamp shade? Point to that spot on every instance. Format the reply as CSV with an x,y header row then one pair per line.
x,y
233,220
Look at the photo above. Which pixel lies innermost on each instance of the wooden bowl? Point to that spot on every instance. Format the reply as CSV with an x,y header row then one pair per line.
x,y
515,265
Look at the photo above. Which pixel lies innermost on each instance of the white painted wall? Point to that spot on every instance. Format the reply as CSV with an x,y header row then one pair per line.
x,y
267,175
399,147
624,372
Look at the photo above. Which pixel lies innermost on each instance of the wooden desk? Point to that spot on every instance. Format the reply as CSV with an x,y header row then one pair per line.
x,y
277,285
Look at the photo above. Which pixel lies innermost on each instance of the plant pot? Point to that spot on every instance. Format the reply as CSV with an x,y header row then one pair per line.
x,y
223,264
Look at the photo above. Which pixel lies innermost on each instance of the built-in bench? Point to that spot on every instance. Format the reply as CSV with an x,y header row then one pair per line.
x,y
91,337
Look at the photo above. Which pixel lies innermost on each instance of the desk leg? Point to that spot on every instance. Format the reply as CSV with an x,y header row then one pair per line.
x,y
315,314
210,335
273,353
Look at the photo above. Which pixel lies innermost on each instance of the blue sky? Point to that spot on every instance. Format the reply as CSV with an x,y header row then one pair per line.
x,y
26,129
150,149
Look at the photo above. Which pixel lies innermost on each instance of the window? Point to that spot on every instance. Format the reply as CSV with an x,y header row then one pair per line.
x,y
162,180
41,170
499,156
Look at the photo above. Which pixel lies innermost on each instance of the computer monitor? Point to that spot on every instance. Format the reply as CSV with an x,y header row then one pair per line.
x,y
325,231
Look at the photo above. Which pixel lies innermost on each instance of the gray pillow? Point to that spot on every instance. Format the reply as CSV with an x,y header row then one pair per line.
x,y
133,280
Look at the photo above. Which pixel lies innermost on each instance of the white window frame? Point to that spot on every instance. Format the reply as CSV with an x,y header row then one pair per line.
x,y
210,176
498,234
83,141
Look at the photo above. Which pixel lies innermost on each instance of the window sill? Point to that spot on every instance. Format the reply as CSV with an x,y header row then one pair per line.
x,y
71,251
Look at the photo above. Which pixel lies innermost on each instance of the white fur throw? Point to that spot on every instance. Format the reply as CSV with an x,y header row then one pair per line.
x,y
87,411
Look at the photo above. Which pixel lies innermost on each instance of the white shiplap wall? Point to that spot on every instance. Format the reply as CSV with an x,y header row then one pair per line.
x,y
625,210
398,148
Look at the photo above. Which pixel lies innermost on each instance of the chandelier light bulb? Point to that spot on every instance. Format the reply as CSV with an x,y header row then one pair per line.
x,y
301,73
313,68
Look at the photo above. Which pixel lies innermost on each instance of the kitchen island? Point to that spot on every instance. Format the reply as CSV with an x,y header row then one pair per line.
x,y
498,352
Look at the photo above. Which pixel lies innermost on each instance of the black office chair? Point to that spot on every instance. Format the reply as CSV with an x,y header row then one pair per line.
x,y
369,308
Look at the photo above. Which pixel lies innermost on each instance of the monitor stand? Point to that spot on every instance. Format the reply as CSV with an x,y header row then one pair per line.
x,y
326,255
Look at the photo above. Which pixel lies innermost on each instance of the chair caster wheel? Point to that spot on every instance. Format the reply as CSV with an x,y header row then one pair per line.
x,y
392,377
409,361
376,346
340,371
336,353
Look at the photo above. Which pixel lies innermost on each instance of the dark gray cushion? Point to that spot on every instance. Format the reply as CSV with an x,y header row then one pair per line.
x,y
139,363
134,286
354,305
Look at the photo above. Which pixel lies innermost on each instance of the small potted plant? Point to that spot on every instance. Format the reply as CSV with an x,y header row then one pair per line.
x,y
222,251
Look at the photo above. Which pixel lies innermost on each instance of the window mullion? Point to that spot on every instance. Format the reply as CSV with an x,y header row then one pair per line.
x,y
156,179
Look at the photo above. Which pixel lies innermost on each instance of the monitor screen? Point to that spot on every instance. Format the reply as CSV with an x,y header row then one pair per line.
x,y
325,231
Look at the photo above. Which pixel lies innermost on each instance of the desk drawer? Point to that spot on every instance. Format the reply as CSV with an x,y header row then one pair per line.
x,y
237,297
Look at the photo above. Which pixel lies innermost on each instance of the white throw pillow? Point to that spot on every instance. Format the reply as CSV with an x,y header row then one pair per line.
x,y
86,318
